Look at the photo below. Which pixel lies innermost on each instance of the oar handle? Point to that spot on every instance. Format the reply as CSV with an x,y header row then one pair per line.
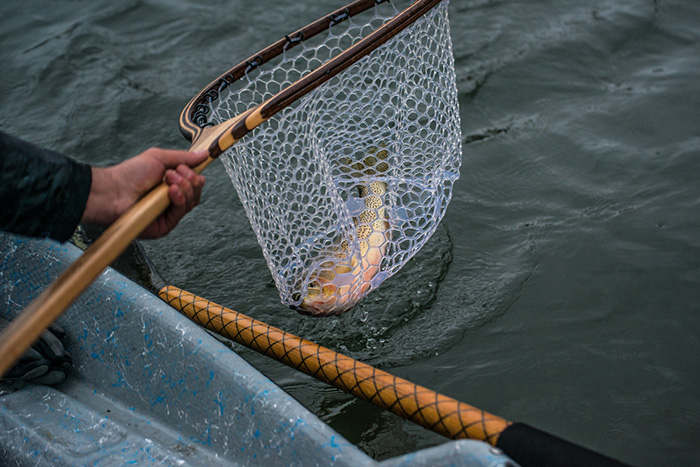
x,y
532,447
439,413
25,329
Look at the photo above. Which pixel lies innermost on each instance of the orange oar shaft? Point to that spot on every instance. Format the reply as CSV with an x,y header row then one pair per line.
x,y
439,413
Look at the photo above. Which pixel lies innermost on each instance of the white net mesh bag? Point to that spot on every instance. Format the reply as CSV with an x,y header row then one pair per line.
x,y
345,186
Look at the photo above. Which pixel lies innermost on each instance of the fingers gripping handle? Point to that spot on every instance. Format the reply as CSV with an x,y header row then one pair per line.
x,y
24,330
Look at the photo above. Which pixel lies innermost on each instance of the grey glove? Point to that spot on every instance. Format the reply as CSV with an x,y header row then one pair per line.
x,y
46,362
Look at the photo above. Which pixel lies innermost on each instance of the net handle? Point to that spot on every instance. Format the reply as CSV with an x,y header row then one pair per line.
x,y
432,410
26,328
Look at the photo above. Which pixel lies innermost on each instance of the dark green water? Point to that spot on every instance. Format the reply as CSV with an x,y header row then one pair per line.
x,y
562,288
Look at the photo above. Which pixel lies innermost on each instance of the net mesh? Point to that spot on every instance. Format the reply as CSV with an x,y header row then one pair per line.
x,y
345,186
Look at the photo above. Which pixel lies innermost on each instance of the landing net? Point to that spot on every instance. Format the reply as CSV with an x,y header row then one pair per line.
x,y
345,186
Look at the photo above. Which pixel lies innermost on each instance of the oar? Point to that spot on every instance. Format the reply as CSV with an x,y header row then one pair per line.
x,y
442,414
24,330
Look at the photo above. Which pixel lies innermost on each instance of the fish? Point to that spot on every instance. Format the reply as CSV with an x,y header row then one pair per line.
x,y
343,278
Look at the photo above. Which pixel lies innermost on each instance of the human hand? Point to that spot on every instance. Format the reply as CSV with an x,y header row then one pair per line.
x,y
115,189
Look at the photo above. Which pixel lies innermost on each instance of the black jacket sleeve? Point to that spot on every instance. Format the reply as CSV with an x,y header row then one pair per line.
x,y
43,193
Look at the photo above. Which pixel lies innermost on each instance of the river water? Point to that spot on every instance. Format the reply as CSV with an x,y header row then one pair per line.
x,y
562,287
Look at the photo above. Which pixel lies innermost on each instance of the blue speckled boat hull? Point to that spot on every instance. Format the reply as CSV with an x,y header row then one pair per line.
x,y
150,387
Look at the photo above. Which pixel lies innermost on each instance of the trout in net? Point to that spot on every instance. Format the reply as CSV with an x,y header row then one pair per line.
x,y
343,187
